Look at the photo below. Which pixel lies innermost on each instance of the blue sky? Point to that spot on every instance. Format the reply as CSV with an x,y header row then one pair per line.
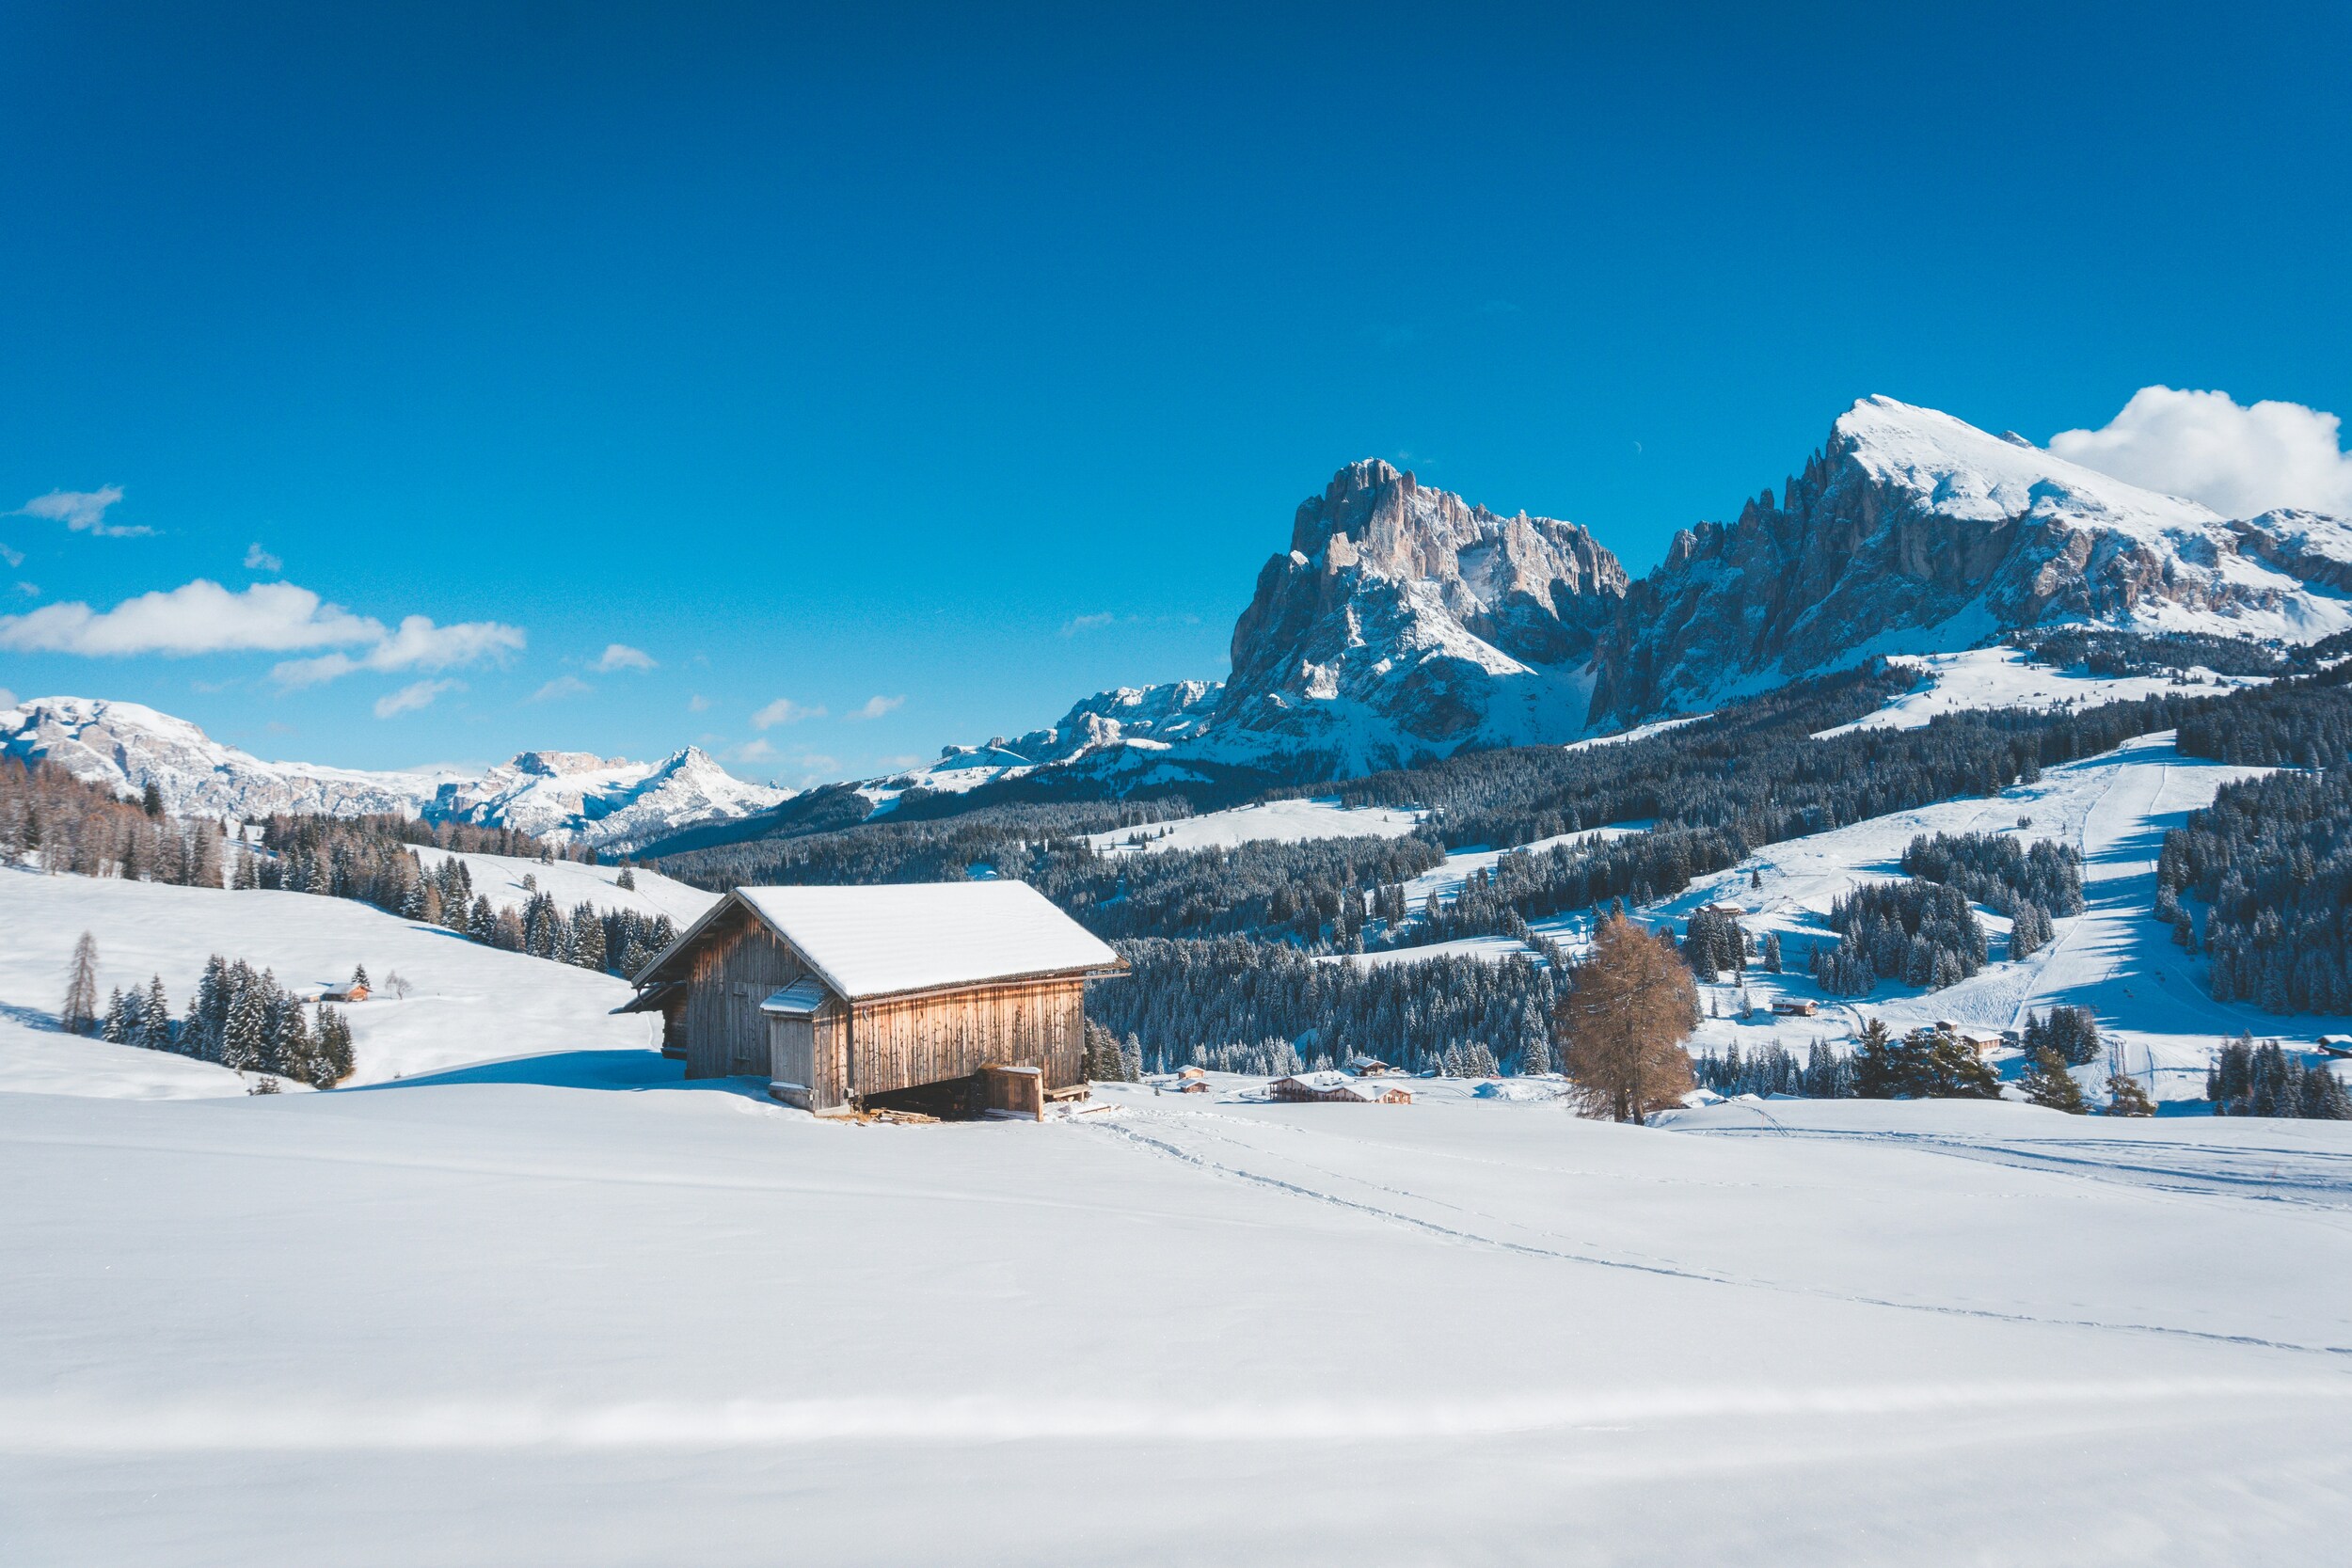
x,y
926,371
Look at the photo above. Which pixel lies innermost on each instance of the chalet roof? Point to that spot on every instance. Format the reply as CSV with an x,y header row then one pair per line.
x,y
1329,1081
882,941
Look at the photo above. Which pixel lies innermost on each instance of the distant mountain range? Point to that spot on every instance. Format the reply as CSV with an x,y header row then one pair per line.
x,y
561,795
1405,622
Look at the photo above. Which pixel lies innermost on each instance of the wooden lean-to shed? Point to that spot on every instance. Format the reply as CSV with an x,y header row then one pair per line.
x,y
838,994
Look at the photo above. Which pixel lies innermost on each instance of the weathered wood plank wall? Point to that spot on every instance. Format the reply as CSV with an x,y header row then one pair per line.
x,y
902,1041
736,969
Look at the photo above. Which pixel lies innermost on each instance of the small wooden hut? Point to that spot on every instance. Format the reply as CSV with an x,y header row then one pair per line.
x,y
838,994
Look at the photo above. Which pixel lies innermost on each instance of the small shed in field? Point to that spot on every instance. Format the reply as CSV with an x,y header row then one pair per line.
x,y
837,994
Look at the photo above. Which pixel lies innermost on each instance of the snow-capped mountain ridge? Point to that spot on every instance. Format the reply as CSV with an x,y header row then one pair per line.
x,y
1913,532
561,795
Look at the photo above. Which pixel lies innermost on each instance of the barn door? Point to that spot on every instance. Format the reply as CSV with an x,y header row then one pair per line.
x,y
793,1046
747,1038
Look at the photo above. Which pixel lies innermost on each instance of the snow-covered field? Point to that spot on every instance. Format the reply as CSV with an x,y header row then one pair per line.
x,y
466,1003
500,878
577,1312
1277,821
2004,677
542,1302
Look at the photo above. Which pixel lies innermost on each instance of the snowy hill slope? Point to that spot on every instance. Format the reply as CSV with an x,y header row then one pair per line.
x,y
500,878
560,796
468,1003
2150,996
507,1309
1274,821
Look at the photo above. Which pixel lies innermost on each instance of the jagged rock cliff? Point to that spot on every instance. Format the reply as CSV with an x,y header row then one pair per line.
x,y
1406,621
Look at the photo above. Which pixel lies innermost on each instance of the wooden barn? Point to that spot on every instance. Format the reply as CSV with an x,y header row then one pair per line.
x,y
838,995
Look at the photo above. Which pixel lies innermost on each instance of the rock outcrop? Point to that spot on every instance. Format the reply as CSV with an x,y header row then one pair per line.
x,y
1406,621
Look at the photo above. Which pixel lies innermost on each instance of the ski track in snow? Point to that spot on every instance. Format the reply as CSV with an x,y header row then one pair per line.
x,y
1167,1139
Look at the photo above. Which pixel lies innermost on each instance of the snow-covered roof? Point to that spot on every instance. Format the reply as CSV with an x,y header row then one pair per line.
x,y
867,941
798,999
1331,1079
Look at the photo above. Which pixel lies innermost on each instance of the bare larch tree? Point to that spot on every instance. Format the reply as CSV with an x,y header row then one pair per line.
x,y
79,1016
1630,1005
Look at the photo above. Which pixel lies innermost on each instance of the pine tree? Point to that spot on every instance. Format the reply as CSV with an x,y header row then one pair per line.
x,y
243,1042
358,977
2126,1097
627,880
330,1048
2046,1082
117,1028
79,1015
155,1019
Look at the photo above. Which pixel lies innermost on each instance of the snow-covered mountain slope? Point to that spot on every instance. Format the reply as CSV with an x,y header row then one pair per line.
x,y
2001,677
128,746
501,877
466,1002
563,1311
612,803
1913,532
1275,821
2150,996
561,795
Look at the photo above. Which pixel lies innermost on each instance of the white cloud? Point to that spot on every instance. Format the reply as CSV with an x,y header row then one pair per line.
x,y
698,704
200,617
562,686
2203,445
14,557
31,588
620,655
784,710
753,750
83,511
8,698
1078,624
260,560
415,695
876,706
418,644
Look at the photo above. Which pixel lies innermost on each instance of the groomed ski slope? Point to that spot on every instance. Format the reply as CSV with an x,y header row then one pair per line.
x,y
573,1311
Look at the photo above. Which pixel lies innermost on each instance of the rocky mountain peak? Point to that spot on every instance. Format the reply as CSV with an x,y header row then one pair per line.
x,y
1406,620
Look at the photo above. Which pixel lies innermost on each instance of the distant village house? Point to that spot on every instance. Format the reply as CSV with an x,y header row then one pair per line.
x,y
1339,1087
